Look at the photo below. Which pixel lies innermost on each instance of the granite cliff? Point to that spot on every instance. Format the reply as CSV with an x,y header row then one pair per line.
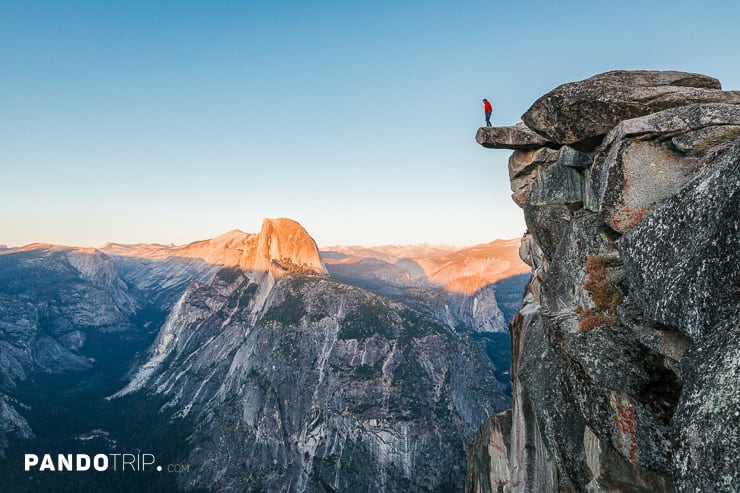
x,y
625,366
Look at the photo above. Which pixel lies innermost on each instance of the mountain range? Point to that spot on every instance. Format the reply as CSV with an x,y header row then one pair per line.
x,y
270,366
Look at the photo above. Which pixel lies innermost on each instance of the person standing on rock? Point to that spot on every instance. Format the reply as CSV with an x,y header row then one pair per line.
x,y
488,109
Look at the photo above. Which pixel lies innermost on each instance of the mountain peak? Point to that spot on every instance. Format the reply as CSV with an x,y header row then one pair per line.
x,y
235,234
282,246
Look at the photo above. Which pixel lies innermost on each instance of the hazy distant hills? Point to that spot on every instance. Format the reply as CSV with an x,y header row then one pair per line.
x,y
435,264
391,253
458,285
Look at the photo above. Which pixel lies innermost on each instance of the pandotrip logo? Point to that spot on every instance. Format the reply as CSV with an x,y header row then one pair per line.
x,y
139,462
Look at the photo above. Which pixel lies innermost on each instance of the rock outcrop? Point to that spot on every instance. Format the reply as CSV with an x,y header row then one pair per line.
x,y
518,136
579,114
282,246
625,365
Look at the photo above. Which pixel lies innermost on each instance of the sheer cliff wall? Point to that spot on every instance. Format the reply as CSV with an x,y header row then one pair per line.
x,y
626,348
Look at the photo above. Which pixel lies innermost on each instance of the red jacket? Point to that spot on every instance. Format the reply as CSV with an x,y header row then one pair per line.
x,y
487,106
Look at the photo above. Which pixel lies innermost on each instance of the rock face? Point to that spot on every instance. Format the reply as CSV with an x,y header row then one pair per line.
x,y
282,246
689,281
11,423
625,350
645,160
580,113
317,386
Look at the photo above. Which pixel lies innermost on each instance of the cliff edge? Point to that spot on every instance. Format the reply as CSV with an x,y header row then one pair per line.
x,y
625,351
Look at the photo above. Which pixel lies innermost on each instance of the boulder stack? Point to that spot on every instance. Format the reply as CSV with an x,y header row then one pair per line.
x,y
580,113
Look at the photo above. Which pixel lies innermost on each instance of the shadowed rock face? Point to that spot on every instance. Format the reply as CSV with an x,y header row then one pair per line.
x,y
580,113
682,263
624,352
524,168
706,421
51,299
11,423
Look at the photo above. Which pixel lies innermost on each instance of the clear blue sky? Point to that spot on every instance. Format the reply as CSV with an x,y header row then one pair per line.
x,y
177,121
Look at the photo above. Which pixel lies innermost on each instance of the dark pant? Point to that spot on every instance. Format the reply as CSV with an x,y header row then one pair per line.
x,y
488,118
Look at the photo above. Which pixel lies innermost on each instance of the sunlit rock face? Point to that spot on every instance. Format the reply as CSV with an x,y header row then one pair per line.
x,y
163,272
282,246
315,385
624,352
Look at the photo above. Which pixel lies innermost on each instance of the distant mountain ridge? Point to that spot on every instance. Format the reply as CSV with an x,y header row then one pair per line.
x,y
475,290
456,285
392,253
440,265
